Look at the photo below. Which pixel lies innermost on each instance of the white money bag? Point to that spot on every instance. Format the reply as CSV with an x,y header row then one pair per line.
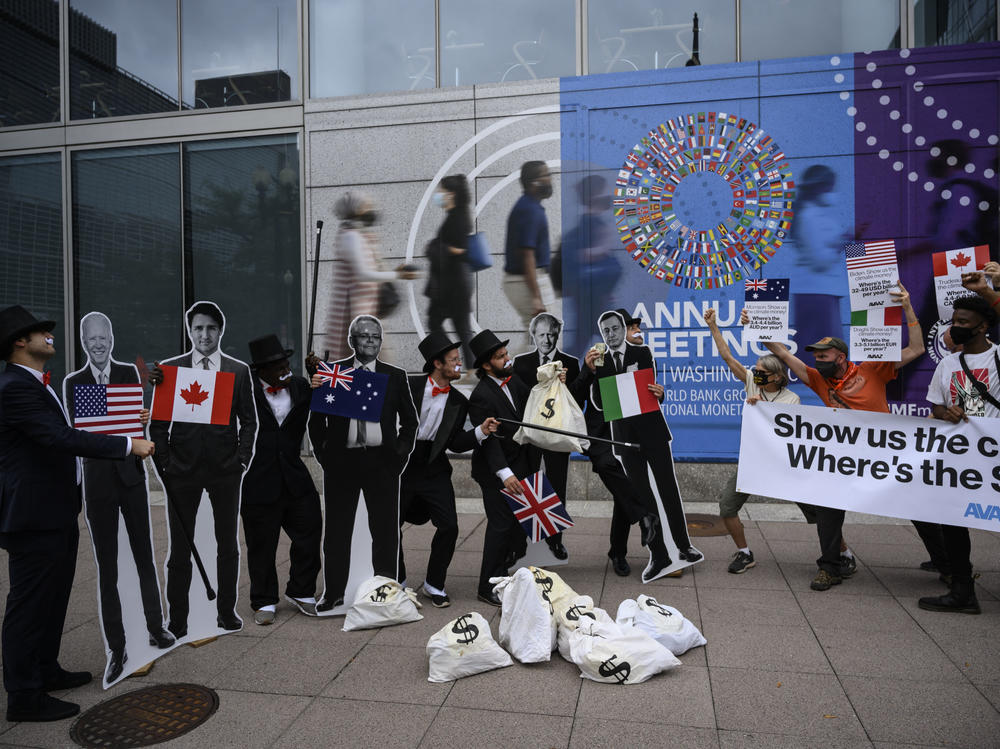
x,y
550,404
463,647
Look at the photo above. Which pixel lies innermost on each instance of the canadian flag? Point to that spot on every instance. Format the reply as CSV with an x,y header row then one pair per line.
x,y
195,396
964,260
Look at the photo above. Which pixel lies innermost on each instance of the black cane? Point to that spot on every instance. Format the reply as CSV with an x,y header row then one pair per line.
x,y
312,305
194,550
631,445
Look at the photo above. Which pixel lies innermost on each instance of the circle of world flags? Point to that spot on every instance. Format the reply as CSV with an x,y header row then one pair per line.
x,y
704,257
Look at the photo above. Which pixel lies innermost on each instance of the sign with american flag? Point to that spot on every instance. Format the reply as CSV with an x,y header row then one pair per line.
x,y
539,510
353,393
108,409
871,272
766,303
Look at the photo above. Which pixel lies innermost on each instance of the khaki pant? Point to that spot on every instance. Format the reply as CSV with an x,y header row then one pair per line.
x,y
519,295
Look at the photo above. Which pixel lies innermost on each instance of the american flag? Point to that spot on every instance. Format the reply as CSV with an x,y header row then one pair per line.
x,y
870,254
539,510
108,409
336,375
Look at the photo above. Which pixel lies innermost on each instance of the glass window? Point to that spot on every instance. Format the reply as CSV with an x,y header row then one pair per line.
x,y
123,57
239,52
800,28
31,256
516,40
954,22
648,34
241,206
365,46
127,247
29,62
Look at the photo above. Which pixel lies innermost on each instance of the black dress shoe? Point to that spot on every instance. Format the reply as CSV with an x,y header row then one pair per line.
x,y
117,665
691,554
179,631
559,551
655,568
42,708
326,605
161,639
62,679
489,597
621,566
229,622
648,526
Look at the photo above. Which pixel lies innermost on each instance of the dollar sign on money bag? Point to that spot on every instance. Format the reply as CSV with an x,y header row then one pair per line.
x,y
574,613
466,631
654,605
618,671
545,583
380,594
550,404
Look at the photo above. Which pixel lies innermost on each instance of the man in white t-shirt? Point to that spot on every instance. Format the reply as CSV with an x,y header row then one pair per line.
x,y
965,384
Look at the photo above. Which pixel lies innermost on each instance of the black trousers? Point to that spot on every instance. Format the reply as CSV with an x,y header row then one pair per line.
x,y
40,565
429,496
933,536
302,521
660,459
104,504
628,504
457,307
829,528
183,498
557,471
958,548
372,473
503,534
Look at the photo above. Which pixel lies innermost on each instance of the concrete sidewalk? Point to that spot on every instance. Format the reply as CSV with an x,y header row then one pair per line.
x,y
857,666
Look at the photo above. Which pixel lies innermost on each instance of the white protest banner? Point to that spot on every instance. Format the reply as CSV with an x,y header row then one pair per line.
x,y
948,269
871,272
766,303
877,334
882,464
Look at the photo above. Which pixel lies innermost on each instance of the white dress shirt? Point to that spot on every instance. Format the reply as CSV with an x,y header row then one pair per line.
x,y
373,429
504,473
280,402
432,412
214,360
102,373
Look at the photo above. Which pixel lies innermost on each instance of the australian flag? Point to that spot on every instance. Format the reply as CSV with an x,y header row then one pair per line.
x,y
766,290
352,393
539,510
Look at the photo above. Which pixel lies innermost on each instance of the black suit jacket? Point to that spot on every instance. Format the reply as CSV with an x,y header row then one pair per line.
x,y
130,470
647,429
38,449
526,367
451,434
500,450
277,458
398,424
183,448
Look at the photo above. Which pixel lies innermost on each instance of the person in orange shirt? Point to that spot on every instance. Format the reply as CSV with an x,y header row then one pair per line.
x,y
840,383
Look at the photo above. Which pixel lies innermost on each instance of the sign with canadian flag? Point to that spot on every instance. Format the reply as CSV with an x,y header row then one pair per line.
x,y
948,269
196,396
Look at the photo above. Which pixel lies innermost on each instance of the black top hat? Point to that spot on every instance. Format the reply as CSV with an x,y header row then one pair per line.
x,y
267,349
435,346
629,320
16,321
483,344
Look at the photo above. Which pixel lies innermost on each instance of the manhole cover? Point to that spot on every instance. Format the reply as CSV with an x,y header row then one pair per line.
x,y
145,716
705,525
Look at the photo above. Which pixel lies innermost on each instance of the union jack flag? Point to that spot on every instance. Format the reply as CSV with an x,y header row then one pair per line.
x,y
336,375
539,510
756,285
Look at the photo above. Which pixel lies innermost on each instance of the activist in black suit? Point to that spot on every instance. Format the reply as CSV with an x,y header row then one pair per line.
x,y
499,462
278,491
426,490
191,458
359,456
651,433
39,505
545,329
113,488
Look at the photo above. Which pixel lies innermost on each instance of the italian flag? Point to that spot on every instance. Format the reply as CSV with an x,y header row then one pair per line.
x,y
626,394
957,262
195,396
878,317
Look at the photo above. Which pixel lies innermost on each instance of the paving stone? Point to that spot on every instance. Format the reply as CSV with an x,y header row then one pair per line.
x,y
764,607
456,726
890,654
679,697
245,719
735,644
550,688
271,666
856,613
744,740
332,722
388,674
592,733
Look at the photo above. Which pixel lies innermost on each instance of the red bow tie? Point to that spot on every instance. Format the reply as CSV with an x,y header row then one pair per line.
x,y
275,390
435,390
504,383
46,378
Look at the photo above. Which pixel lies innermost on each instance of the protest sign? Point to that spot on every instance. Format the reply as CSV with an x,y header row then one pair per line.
x,y
871,272
948,269
877,334
882,464
766,304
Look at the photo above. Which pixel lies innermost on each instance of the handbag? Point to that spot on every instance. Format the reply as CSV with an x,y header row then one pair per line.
x,y
388,299
478,253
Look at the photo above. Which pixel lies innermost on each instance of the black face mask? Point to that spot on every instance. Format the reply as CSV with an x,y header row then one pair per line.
x,y
544,191
827,369
760,377
962,336
368,218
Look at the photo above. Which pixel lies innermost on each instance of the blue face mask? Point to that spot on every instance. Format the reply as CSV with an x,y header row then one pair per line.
x,y
438,199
